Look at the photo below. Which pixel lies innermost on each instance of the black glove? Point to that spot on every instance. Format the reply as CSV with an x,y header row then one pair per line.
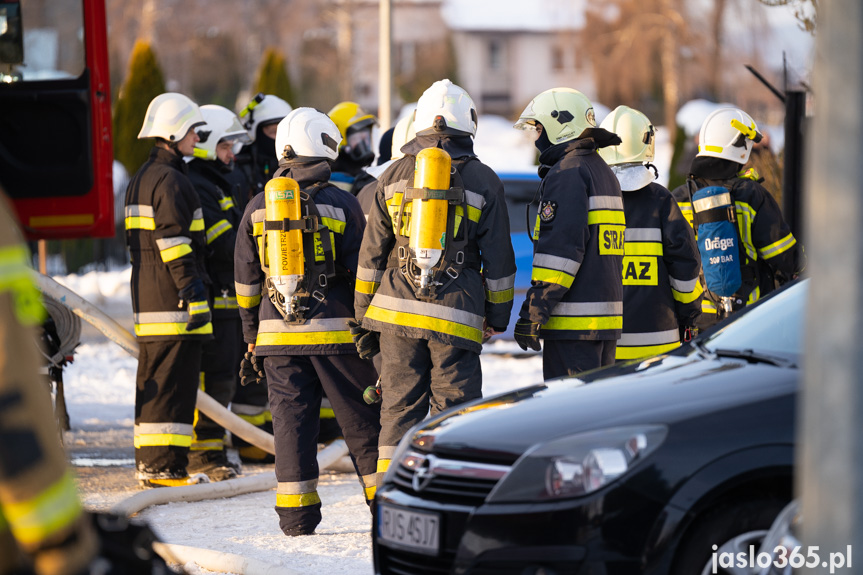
x,y
252,370
195,297
687,333
125,547
526,334
195,291
368,342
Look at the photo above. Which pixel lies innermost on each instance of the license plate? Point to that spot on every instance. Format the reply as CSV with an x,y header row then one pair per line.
x,y
408,529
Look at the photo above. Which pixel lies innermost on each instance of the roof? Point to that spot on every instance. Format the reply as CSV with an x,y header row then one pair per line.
x,y
514,15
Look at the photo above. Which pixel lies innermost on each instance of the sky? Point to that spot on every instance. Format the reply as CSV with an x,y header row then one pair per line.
x,y
100,394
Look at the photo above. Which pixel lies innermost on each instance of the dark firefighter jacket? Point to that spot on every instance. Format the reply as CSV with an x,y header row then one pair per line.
x,y
576,284
768,246
165,235
325,331
386,300
661,264
221,219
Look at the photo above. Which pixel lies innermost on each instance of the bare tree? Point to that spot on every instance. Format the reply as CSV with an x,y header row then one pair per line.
x,y
806,11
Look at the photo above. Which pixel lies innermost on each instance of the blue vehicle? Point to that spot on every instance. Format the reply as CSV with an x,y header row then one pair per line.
x,y
520,189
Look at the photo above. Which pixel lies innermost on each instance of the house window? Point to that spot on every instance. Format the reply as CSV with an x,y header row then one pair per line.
x,y
556,58
495,55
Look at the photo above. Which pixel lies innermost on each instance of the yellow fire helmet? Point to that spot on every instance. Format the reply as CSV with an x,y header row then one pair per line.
x,y
563,112
637,135
349,117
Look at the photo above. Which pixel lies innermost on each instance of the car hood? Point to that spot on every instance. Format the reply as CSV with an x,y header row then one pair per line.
x,y
661,390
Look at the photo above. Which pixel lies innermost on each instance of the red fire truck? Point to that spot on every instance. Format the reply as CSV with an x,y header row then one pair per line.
x,y
55,117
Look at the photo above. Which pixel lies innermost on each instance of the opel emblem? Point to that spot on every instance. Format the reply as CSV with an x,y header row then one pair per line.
x,y
424,474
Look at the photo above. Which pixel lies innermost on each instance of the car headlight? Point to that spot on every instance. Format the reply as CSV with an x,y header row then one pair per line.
x,y
577,465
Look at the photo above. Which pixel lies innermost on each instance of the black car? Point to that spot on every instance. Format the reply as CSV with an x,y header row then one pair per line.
x,y
643,467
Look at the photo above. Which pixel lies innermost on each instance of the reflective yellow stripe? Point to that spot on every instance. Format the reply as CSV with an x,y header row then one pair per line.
x,y
584,323
307,338
198,307
552,276
170,254
686,209
16,276
637,352
258,229
707,306
370,492
301,500
207,445
368,288
35,520
335,225
500,296
248,302
140,223
687,297
473,214
327,413
745,217
226,204
717,149
225,303
217,230
424,322
197,225
256,420
151,329
383,465
162,440
605,217
642,248
754,296
779,247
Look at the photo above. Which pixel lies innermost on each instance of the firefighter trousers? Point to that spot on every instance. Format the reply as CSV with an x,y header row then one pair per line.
x,y
296,387
165,397
561,357
419,376
220,362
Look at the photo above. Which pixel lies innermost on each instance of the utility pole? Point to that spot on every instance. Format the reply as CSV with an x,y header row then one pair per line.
x,y
385,66
830,447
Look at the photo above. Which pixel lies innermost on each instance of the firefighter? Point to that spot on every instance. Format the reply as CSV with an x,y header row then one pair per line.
x,y
165,235
355,150
428,308
575,302
261,117
402,133
212,157
661,292
767,252
294,274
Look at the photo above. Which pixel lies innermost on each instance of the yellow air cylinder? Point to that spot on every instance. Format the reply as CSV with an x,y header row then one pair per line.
x,y
429,217
284,249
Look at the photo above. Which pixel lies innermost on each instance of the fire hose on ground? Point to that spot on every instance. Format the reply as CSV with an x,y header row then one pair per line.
x,y
332,456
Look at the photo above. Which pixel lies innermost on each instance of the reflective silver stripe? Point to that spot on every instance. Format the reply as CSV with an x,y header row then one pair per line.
x,y
156,428
166,243
333,212
258,216
643,235
556,263
396,187
716,201
605,203
247,290
198,214
139,210
312,325
428,310
297,487
682,286
651,338
245,409
369,275
386,451
161,317
588,308
501,284
368,480
473,199
325,403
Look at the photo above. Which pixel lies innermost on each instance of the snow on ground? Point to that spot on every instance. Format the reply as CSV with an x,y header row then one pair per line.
x,y
100,396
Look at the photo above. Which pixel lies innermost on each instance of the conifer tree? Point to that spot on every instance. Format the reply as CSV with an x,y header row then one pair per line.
x,y
273,77
144,81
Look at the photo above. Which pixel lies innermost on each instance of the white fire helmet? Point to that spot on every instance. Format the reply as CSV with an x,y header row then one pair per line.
x,y
222,125
728,133
263,109
637,134
445,108
307,134
563,112
170,116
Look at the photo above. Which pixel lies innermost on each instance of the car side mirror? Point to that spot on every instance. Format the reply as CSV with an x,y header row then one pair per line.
x,y
11,33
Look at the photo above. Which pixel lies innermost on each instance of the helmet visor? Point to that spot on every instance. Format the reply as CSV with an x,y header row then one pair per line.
x,y
531,129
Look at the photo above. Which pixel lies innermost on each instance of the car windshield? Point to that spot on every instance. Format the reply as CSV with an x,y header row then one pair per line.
x,y
774,327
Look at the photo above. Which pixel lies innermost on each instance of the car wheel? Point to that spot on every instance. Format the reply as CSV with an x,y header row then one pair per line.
x,y
732,528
